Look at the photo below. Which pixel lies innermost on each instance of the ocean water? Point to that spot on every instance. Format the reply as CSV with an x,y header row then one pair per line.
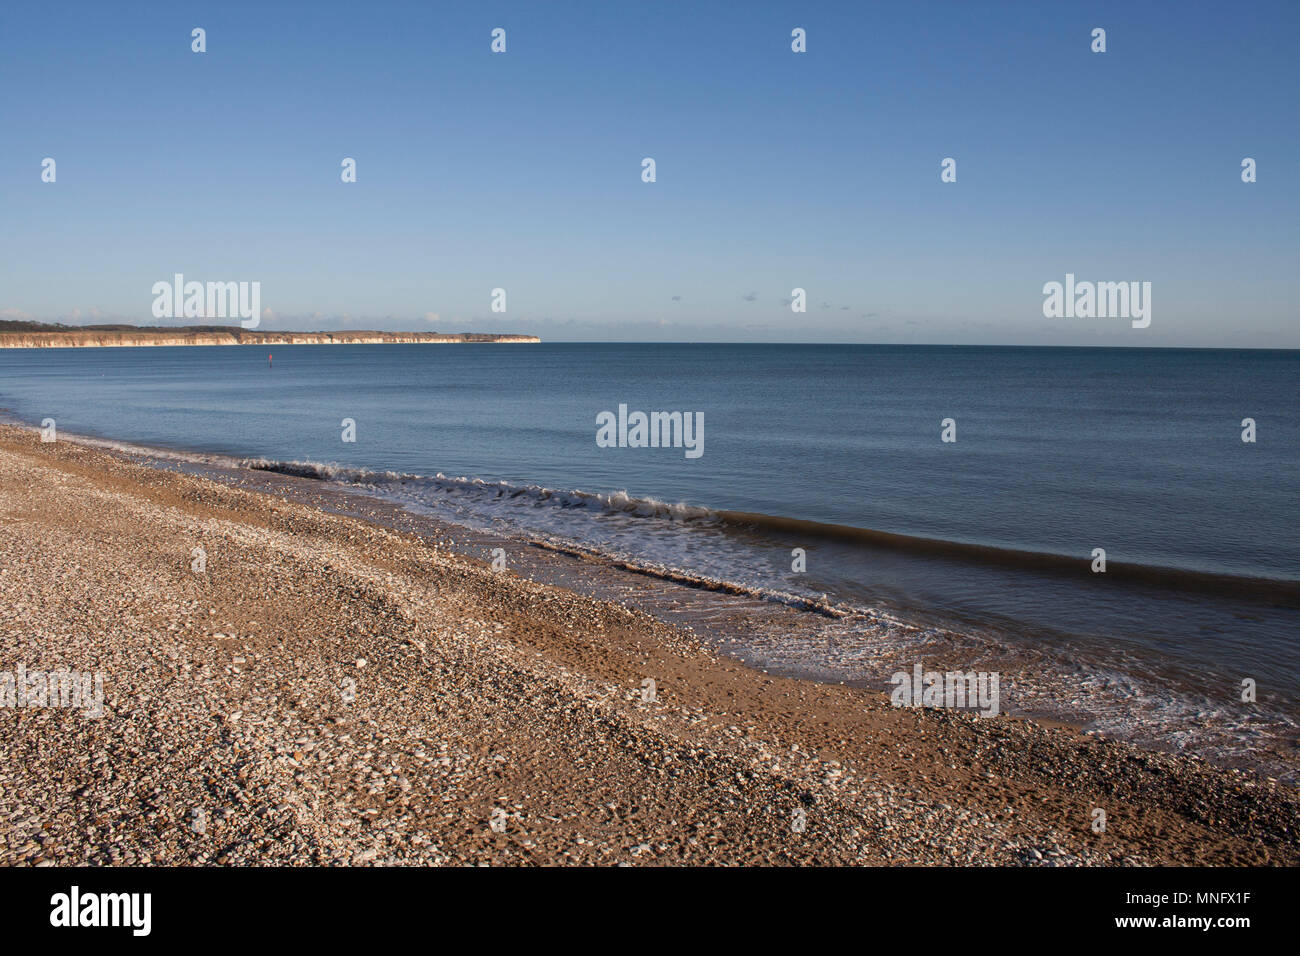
x,y
978,551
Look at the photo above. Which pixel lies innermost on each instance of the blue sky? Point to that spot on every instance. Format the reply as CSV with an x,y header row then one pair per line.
x,y
774,169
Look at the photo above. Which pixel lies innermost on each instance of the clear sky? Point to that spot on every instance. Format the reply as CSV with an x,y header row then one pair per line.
x,y
775,170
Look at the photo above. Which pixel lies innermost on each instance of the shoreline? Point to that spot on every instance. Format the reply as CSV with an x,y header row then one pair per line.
x,y
770,630
482,697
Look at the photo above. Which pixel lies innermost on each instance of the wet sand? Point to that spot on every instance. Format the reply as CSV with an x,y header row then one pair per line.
x,y
333,690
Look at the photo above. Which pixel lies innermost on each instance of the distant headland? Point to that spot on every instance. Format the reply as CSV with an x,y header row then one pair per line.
x,y
39,335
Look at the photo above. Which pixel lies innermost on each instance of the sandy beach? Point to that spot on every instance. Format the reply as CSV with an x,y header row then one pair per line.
x,y
326,690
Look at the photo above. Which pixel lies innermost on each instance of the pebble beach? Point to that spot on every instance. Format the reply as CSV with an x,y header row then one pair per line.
x,y
286,685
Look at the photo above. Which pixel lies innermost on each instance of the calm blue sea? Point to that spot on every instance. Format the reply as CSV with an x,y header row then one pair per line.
x,y
1058,452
